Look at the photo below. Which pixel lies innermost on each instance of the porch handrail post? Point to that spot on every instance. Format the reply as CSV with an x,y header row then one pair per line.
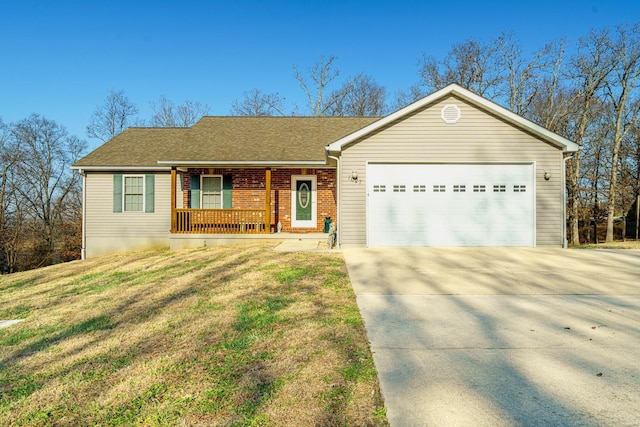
x,y
267,203
173,200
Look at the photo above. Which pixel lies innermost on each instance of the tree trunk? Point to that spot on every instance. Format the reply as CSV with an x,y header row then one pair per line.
x,y
611,211
572,199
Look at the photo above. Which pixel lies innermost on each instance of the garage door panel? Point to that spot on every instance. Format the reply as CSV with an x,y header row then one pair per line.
x,y
450,205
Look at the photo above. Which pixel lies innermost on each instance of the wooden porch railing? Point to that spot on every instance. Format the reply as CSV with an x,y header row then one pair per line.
x,y
222,221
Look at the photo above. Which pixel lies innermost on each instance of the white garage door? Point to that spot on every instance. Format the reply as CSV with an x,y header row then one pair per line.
x,y
450,205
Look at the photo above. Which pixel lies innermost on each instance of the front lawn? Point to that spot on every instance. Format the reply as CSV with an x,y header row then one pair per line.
x,y
232,335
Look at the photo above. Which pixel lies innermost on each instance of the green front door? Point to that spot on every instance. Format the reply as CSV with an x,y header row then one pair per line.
x,y
303,200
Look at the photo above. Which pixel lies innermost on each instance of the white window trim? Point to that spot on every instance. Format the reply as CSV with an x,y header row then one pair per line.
x,y
202,189
313,223
124,193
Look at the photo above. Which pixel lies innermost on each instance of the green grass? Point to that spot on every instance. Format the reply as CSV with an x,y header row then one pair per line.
x,y
236,336
628,244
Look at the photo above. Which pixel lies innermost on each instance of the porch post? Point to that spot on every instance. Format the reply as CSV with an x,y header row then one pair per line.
x,y
267,203
173,199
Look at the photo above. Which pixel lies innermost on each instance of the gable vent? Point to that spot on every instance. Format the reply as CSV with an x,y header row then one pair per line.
x,y
450,113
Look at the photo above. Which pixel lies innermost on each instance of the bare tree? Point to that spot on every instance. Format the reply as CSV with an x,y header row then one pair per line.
x,y
594,172
7,193
360,96
45,151
257,103
634,160
319,100
357,96
629,171
473,65
622,91
115,114
523,75
163,113
167,114
404,98
190,112
588,70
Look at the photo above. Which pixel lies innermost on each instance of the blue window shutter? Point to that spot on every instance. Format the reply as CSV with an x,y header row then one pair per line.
x,y
150,193
195,192
117,192
227,183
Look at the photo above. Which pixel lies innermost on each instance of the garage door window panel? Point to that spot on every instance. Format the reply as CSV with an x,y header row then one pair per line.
x,y
399,188
479,188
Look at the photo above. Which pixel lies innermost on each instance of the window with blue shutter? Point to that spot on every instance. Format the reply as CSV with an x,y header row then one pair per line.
x,y
196,191
227,184
133,193
194,200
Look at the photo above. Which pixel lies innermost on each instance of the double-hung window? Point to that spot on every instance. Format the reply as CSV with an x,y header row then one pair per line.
x,y
211,191
133,193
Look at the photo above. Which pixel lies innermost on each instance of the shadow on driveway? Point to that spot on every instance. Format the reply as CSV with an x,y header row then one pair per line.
x,y
502,336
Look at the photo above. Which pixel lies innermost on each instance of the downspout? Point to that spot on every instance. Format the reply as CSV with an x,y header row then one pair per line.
x,y
565,244
339,186
83,249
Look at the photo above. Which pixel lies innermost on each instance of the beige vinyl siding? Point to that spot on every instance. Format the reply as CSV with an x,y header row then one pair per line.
x,y
109,232
476,137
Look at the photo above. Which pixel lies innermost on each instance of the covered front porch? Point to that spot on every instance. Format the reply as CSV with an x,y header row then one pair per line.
x,y
223,201
224,220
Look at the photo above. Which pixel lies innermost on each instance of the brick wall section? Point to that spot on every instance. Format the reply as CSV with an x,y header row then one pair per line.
x,y
248,192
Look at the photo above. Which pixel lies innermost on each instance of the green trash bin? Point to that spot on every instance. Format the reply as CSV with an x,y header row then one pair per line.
x,y
327,224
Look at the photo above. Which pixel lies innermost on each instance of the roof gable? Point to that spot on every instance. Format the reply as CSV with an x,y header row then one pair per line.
x,y
482,103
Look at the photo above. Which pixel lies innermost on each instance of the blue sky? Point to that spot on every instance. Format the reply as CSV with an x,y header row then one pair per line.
x,y
61,58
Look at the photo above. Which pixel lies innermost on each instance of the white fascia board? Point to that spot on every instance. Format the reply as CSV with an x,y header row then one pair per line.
x,y
262,163
453,89
121,168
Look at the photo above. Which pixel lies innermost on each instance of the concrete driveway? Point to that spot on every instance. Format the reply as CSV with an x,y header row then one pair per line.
x,y
497,336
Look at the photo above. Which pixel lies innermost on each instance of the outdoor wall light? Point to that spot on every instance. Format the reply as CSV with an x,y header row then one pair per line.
x,y
354,176
547,175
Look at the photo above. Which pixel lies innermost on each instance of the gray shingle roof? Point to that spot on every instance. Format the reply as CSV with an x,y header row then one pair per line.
x,y
226,139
